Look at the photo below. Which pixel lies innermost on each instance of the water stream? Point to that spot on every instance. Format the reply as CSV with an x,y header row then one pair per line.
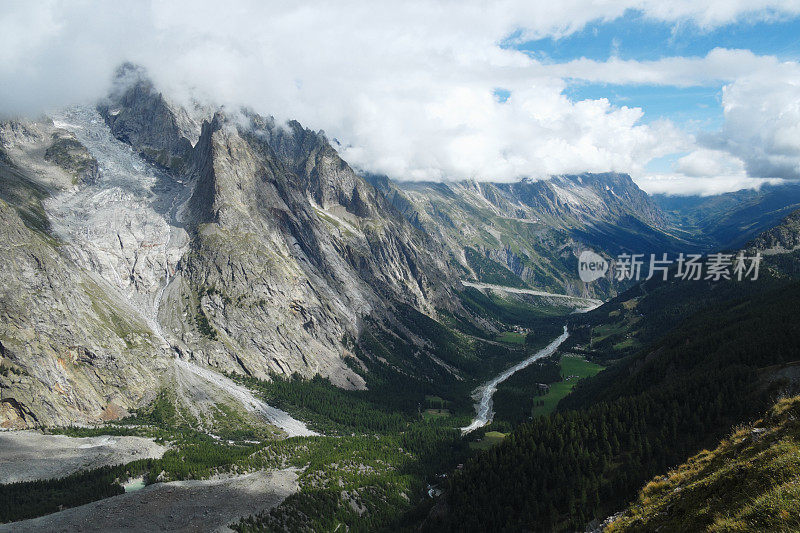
x,y
484,393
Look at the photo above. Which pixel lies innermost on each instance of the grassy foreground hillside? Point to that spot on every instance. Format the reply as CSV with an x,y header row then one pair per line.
x,y
750,482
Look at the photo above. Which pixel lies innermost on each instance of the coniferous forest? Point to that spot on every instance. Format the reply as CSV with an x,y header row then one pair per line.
x,y
642,416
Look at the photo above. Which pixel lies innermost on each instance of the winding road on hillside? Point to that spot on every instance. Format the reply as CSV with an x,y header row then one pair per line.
x,y
583,302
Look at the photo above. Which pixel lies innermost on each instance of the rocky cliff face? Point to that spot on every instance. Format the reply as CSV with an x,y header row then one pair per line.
x,y
267,292
586,198
137,114
71,350
136,234
291,249
69,154
68,353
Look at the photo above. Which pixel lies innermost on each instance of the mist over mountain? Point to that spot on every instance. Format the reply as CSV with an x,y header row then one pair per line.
x,y
253,249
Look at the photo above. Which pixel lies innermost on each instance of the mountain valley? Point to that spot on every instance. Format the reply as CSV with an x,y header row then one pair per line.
x,y
337,349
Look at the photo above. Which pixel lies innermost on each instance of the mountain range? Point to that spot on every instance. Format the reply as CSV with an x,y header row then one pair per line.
x,y
150,231
686,361
209,277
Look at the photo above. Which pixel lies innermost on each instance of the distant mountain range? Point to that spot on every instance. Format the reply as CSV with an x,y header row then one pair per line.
x,y
729,220
530,233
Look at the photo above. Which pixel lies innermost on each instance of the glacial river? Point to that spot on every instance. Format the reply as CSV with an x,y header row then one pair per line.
x,y
483,394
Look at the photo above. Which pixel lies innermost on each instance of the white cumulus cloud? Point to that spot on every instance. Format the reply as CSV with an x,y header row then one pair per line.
x,y
762,123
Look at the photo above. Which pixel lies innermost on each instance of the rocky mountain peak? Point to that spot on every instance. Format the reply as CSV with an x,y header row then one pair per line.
x,y
141,116
588,196
324,176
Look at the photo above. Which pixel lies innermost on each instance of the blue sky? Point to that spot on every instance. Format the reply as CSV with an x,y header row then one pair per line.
x,y
695,109
634,36
637,38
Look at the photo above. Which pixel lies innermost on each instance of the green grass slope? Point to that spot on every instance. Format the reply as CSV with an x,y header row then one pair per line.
x,y
750,482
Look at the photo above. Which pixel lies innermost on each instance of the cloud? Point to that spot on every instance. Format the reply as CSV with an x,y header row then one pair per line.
x,y
760,133
406,87
465,132
759,141
702,172
709,163
55,54
682,185
718,66
715,13
762,123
